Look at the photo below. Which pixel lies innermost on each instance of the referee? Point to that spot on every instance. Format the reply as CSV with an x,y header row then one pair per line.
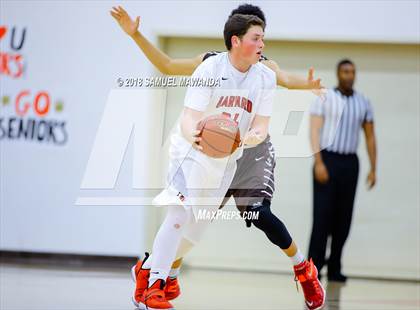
x,y
335,130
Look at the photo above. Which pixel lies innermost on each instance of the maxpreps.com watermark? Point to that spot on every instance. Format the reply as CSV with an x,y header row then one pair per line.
x,y
168,81
204,214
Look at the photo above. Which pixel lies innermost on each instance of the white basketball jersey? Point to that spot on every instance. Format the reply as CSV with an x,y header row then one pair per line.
x,y
240,96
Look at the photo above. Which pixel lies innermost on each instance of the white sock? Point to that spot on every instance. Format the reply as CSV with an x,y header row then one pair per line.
x,y
184,247
148,263
157,274
174,272
167,241
297,258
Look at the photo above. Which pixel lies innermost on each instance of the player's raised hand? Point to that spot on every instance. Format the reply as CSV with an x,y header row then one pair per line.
x,y
127,24
315,85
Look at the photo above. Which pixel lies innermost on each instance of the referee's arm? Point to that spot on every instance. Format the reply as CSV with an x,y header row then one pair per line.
x,y
368,129
320,170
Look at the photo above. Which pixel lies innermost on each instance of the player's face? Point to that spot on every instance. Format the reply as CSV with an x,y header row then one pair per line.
x,y
252,44
346,76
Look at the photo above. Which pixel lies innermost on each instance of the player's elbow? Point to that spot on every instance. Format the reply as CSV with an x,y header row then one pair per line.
x,y
283,80
282,77
165,68
171,67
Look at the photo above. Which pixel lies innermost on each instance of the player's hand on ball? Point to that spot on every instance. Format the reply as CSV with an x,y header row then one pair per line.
x,y
219,136
253,137
195,140
124,20
321,173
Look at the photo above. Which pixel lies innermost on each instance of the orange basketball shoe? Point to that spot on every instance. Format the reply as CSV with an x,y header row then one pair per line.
x,y
154,298
172,289
140,276
307,274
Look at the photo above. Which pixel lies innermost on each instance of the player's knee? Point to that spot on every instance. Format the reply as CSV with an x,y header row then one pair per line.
x,y
179,216
272,226
261,215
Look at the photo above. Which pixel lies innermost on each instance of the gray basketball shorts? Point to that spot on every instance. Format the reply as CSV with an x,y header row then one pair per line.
x,y
254,177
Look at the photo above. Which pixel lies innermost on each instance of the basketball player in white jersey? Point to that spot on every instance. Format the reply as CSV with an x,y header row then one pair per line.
x,y
195,176
253,183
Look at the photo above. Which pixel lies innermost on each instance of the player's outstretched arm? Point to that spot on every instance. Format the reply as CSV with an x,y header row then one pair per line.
x,y
159,59
295,81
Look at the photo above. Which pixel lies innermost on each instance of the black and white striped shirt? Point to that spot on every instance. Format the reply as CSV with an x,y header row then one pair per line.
x,y
343,119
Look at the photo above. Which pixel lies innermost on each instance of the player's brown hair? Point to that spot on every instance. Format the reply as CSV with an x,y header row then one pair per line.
x,y
238,25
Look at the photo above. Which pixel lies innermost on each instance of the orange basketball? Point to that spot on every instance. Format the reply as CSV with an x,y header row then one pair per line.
x,y
220,136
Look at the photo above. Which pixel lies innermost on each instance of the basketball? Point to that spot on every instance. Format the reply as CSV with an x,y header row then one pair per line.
x,y
220,136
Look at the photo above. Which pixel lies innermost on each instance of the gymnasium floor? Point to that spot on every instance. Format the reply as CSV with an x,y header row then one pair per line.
x,y
41,287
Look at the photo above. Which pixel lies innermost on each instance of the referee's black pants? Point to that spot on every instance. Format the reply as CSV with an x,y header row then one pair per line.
x,y
333,209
